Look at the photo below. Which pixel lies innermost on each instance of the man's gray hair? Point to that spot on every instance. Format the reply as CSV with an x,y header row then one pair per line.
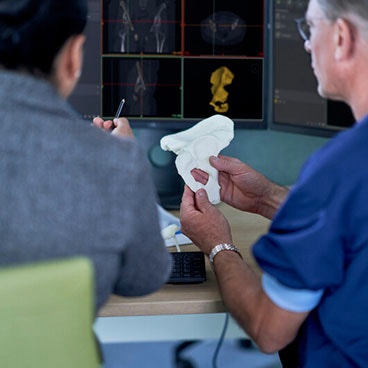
x,y
340,8
356,11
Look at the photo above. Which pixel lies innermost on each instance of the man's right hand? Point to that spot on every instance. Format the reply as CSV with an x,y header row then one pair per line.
x,y
244,188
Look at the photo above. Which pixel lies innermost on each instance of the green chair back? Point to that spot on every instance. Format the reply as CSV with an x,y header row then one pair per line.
x,y
47,314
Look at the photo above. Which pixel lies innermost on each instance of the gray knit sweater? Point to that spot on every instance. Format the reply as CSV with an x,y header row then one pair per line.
x,y
68,188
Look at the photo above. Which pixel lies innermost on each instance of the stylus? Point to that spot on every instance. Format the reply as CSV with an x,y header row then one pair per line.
x,y
121,105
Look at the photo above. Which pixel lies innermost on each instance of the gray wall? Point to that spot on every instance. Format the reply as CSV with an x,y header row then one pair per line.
x,y
278,155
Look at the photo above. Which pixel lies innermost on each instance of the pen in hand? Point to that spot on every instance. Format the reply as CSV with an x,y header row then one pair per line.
x,y
120,108
118,112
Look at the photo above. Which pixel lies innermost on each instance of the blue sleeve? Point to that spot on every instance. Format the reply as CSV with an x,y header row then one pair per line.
x,y
304,247
294,300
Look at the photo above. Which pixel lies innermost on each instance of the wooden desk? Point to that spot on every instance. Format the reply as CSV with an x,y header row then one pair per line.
x,y
198,298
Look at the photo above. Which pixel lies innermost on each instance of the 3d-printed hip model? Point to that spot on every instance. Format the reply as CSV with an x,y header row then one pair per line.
x,y
193,148
220,78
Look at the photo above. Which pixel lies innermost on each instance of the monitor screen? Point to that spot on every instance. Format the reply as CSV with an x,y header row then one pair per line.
x,y
86,98
296,104
175,62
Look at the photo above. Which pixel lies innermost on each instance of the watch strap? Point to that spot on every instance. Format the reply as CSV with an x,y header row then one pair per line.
x,y
219,248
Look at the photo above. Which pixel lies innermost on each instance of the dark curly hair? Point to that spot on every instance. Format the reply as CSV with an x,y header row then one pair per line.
x,y
33,31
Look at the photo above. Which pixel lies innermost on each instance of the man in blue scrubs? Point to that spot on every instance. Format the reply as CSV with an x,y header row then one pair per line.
x,y
311,300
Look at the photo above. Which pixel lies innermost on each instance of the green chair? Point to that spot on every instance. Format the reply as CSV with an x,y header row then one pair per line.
x,y
47,314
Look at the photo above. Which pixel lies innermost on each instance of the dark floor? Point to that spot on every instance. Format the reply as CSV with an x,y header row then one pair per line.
x,y
232,354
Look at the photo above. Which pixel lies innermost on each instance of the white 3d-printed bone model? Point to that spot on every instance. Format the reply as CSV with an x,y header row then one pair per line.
x,y
193,148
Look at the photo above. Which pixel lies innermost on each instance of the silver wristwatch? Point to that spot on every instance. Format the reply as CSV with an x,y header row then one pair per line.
x,y
219,248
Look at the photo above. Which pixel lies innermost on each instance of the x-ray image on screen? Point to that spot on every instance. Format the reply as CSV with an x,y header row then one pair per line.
x,y
153,86
176,61
139,26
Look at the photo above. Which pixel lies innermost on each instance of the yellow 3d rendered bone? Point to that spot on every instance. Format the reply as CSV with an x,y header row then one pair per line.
x,y
220,78
193,148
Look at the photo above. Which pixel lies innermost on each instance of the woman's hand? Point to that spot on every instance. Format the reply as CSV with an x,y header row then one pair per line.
x,y
119,127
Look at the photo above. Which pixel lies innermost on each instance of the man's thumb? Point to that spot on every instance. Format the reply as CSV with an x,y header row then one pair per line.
x,y
216,162
202,199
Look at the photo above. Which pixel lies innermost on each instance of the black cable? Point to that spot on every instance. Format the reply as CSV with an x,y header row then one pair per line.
x,y
221,340
180,361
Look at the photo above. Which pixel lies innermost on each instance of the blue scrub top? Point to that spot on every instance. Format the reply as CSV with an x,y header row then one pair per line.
x,y
319,240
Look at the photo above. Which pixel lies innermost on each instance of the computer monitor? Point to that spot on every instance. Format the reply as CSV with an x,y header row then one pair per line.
x,y
175,62
296,105
86,98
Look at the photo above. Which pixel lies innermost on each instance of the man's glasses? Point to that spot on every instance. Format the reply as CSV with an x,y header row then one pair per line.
x,y
303,28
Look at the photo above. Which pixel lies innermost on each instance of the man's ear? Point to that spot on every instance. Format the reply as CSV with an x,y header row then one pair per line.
x,y
343,39
68,65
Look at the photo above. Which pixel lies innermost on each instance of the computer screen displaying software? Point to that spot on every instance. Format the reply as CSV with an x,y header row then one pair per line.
x,y
175,62
296,105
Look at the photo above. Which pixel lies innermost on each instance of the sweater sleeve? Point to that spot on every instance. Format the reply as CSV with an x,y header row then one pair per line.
x,y
145,263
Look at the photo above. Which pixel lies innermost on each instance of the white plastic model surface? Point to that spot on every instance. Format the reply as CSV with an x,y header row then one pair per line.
x,y
193,148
